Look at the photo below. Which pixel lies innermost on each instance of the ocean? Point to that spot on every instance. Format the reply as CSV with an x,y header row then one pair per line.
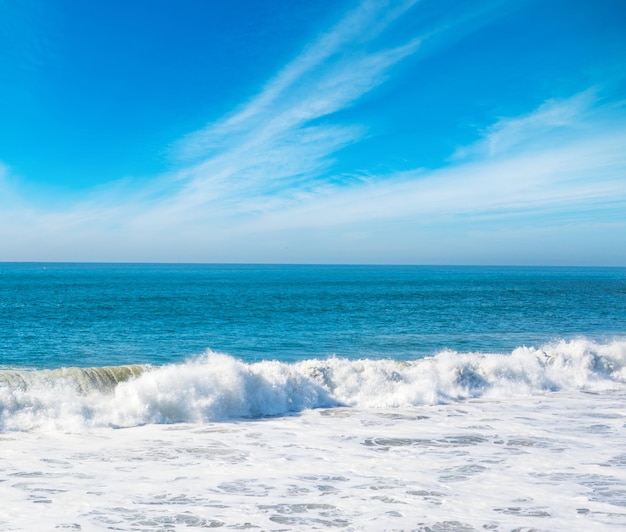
x,y
287,397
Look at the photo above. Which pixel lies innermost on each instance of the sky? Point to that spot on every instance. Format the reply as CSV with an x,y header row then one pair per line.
x,y
334,131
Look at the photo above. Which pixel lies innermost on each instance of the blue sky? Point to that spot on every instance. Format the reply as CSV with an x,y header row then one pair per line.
x,y
423,132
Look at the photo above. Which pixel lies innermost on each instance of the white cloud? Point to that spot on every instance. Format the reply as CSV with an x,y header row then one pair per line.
x,y
533,181
319,81
553,119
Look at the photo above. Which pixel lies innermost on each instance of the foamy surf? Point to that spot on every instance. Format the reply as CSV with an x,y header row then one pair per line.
x,y
553,461
217,387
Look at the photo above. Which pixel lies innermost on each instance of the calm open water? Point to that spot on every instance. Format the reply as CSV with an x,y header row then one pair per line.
x,y
55,315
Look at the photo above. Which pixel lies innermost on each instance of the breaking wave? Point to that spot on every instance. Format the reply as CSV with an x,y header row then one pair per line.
x,y
217,387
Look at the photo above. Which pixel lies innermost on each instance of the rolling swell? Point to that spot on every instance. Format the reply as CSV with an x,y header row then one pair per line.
x,y
217,387
84,380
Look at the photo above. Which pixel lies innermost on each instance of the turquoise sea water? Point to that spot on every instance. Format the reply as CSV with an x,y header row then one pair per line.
x,y
85,315
187,397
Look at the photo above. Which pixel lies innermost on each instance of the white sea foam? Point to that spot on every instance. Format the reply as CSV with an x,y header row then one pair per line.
x,y
217,387
553,461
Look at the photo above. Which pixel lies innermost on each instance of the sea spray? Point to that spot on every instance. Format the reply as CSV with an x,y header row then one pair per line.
x,y
217,387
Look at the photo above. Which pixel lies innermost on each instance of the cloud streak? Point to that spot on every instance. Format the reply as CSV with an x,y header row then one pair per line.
x,y
320,81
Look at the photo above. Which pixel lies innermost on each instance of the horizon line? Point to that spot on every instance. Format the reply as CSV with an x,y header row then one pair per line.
x,y
304,264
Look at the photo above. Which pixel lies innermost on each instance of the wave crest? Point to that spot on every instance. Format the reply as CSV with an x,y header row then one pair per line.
x,y
218,387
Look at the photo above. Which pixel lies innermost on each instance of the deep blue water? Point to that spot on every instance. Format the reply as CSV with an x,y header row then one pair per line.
x,y
55,315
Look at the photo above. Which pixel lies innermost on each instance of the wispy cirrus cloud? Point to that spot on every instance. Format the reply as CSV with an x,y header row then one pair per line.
x,y
536,182
551,120
269,151
324,78
276,144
